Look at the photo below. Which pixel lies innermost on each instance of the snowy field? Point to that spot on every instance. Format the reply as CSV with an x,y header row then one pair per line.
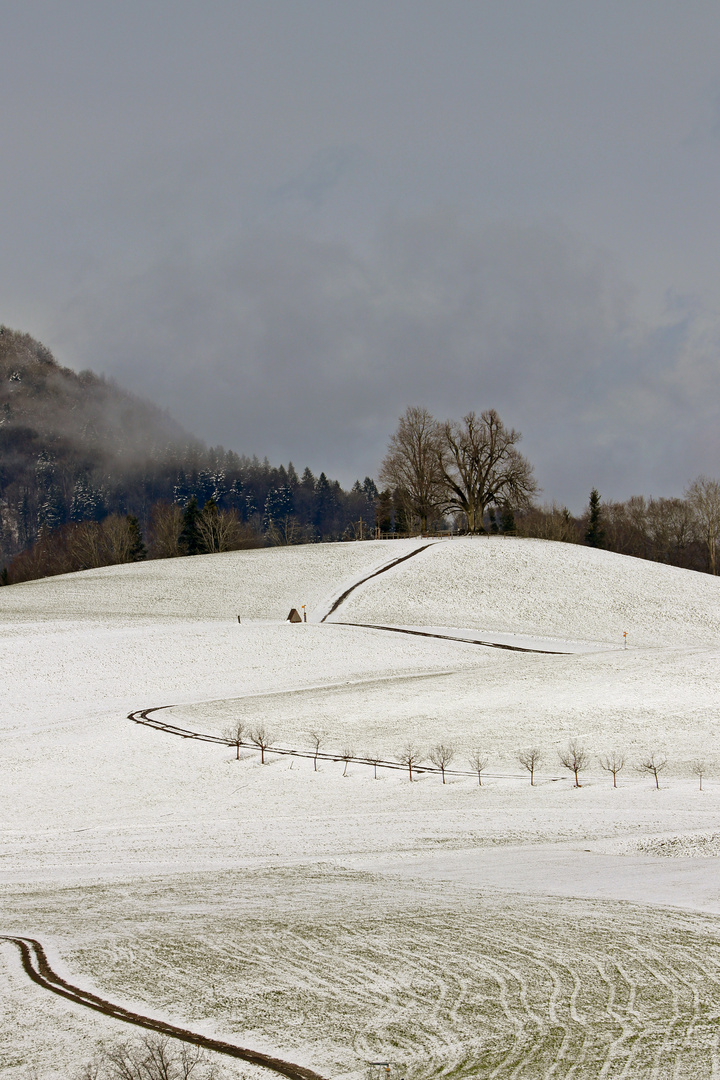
x,y
332,918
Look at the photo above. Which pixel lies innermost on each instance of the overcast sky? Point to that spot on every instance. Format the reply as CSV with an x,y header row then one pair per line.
x,y
287,220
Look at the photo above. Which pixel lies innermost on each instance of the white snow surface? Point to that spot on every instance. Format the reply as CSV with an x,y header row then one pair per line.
x,y
277,905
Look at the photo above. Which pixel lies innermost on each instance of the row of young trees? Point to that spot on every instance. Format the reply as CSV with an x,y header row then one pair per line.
x,y
574,757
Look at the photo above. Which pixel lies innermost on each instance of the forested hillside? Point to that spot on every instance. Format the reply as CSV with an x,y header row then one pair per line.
x,y
74,446
78,450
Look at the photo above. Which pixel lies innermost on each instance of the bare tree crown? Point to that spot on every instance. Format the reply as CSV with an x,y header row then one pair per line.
x,y
481,466
461,468
574,758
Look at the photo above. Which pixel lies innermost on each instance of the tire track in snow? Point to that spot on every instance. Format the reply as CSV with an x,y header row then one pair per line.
x,y
376,573
36,966
451,637
420,633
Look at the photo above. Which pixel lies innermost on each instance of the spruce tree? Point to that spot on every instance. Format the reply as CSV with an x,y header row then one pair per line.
x,y
190,534
383,512
401,521
507,520
595,534
136,550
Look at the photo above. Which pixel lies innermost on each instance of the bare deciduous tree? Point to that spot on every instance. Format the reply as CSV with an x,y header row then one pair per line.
x,y
411,757
166,522
574,758
86,545
219,530
412,465
287,531
317,738
116,537
262,738
530,760
612,763
374,759
347,755
442,757
703,496
478,762
234,735
481,466
156,1058
653,764
550,522
699,768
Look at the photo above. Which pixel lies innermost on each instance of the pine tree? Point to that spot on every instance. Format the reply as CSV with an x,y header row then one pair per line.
x,y
136,548
4,577
595,534
370,488
401,521
507,520
308,480
292,477
190,535
279,506
383,511
87,502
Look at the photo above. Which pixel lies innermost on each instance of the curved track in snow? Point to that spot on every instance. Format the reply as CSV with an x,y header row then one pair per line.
x,y
36,966
453,637
420,633
376,573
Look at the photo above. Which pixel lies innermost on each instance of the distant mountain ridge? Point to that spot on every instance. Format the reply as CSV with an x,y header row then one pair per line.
x,y
49,407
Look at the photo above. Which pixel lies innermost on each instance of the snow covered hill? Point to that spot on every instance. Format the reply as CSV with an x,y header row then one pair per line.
x,y
278,906
536,587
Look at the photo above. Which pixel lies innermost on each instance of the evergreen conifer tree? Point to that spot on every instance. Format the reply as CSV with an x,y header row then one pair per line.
x,y
595,534
136,550
308,480
190,534
401,521
383,511
507,520
292,476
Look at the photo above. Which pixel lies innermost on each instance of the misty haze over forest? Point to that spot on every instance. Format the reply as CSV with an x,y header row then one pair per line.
x,y
283,223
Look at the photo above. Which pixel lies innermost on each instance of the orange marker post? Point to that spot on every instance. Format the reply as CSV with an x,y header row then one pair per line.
x,y
625,636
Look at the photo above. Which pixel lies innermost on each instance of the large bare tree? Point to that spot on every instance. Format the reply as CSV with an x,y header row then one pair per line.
x,y
703,495
481,466
412,465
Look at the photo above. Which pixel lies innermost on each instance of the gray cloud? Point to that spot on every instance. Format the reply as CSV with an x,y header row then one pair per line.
x,y
287,222
305,349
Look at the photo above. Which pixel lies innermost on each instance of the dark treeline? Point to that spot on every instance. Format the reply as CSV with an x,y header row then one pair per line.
x,y
228,503
91,475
